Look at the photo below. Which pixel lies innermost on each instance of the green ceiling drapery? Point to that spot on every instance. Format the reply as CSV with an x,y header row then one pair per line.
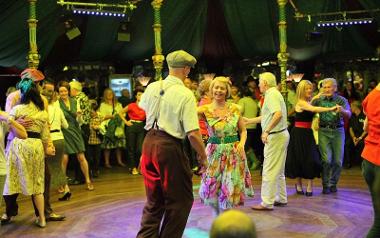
x,y
14,40
251,24
251,27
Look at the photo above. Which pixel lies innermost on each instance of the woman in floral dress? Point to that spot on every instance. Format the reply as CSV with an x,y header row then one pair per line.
x,y
227,179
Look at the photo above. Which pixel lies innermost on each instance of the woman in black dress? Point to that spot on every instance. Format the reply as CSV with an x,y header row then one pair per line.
x,y
302,161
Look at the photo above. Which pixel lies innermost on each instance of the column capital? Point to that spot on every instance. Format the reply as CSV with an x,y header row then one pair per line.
x,y
156,4
282,2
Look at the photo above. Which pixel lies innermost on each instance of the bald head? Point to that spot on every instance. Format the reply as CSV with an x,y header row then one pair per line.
x,y
233,224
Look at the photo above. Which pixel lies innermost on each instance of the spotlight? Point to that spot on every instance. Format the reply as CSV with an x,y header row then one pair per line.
x,y
72,31
124,33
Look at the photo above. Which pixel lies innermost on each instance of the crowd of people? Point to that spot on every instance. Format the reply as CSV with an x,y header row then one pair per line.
x,y
175,127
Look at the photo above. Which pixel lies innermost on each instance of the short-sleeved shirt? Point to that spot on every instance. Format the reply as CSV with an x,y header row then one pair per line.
x,y
135,112
372,141
273,102
331,119
176,108
57,121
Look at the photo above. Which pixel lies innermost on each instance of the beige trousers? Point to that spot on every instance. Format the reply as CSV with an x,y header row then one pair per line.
x,y
273,186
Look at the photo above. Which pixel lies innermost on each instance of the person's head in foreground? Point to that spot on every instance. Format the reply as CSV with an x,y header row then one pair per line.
x,y
233,224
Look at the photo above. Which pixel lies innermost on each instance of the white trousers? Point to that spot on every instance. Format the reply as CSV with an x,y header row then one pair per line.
x,y
273,186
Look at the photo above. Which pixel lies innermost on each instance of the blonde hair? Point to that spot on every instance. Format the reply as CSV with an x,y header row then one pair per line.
x,y
113,94
204,86
301,89
224,80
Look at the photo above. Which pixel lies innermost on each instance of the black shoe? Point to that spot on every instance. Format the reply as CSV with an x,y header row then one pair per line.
x,y
55,217
75,182
280,204
298,192
95,174
5,219
65,197
333,189
326,190
309,194
347,166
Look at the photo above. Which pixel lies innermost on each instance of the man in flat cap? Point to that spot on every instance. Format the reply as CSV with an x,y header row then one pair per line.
x,y
171,116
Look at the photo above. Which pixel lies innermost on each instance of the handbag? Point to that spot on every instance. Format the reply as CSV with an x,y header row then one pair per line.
x,y
103,127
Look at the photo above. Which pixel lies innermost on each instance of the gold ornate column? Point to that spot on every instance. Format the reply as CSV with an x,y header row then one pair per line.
x,y
157,58
33,56
282,56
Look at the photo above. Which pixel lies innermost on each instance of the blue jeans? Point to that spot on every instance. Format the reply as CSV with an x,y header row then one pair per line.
x,y
331,146
371,173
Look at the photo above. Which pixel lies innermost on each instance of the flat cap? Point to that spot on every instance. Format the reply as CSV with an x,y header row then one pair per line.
x,y
76,85
33,74
180,59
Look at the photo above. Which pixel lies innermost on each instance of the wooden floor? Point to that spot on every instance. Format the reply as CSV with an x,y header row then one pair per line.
x,y
114,210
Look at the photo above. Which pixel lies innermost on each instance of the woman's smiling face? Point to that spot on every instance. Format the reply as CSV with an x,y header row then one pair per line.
x,y
219,91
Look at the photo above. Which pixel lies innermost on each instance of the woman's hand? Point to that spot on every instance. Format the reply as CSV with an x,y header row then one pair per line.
x,y
129,123
245,120
240,148
25,122
3,116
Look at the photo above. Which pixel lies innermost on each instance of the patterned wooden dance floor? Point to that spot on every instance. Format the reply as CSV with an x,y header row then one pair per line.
x,y
114,210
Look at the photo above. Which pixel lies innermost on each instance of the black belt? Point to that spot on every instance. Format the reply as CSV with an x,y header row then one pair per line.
x,y
275,132
330,126
32,134
52,131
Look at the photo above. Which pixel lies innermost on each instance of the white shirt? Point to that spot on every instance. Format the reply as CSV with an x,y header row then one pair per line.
x,y
57,121
273,102
3,130
176,108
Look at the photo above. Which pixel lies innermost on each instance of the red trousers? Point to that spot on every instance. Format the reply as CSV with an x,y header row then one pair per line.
x,y
168,185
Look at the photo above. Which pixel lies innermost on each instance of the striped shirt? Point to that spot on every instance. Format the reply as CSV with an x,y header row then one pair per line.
x,y
331,119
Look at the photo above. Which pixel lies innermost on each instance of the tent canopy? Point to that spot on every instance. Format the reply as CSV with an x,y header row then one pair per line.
x,y
212,30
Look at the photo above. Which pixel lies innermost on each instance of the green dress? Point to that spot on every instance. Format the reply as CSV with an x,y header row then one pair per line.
x,y
73,135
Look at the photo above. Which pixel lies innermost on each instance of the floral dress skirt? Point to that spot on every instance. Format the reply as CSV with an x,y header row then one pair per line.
x,y
227,179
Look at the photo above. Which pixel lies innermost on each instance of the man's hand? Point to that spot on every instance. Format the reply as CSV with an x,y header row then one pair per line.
x,y
338,108
264,137
202,164
25,122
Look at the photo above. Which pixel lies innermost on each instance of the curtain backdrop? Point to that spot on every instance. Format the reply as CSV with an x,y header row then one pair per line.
x,y
235,29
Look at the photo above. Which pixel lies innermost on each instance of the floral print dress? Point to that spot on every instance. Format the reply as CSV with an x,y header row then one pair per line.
x,y
227,179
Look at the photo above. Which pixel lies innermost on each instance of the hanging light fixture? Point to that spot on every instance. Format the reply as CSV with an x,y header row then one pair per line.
x,y
345,22
100,9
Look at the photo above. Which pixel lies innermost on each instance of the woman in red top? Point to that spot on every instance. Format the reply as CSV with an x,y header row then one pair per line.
x,y
203,90
371,162
135,129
